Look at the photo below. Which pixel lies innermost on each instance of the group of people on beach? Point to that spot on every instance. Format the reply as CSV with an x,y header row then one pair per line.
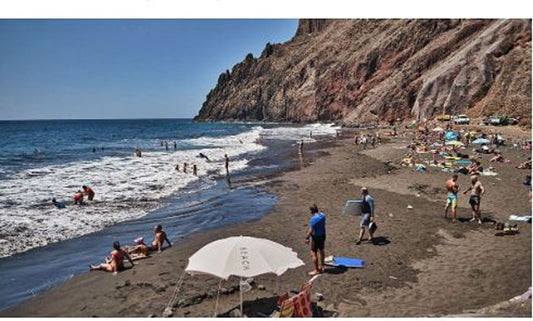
x,y
476,191
115,261
316,234
78,197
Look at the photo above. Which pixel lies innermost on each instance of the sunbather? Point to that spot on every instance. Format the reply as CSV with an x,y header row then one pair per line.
x,y
498,158
116,261
160,238
140,251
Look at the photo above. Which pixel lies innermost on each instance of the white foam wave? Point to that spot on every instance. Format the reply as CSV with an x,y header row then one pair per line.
x,y
308,132
126,188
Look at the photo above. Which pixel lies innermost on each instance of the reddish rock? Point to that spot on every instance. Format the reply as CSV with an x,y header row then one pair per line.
x,y
367,70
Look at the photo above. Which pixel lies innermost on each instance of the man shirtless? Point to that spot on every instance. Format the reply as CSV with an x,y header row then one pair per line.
x,y
160,238
477,190
453,188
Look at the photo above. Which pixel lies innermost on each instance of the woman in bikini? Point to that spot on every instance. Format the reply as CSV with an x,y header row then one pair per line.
x,y
116,263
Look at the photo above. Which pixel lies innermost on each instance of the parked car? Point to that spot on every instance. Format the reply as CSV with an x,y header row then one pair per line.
x,y
494,120
461,120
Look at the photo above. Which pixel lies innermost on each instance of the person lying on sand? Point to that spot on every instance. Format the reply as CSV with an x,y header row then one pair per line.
x,y
498,158
159,240
525,165
140,251
116,263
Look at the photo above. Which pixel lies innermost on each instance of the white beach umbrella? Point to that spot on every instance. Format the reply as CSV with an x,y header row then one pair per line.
x,y
438,129
243,256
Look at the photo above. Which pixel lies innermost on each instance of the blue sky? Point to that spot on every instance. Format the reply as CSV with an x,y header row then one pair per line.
x,y
75,69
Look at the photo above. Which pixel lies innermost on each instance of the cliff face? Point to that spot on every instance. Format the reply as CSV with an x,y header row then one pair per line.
x,y
358,71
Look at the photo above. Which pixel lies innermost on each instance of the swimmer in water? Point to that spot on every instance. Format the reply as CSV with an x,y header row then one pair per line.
x,y
58,204
194,170
89,192
78,198
202,155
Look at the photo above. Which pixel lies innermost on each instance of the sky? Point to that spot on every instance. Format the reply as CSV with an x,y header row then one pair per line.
x,y
106,69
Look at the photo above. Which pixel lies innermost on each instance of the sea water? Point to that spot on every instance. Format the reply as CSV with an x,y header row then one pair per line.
x,y
41,160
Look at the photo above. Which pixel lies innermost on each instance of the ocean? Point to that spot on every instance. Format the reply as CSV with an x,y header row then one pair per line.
x,y
40,160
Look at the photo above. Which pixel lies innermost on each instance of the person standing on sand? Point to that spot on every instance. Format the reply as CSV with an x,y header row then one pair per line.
x,y
451,199
367,215
475,197
317,234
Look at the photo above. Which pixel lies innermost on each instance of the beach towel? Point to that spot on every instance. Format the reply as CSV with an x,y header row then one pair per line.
x,y
520,218
341,261
488,173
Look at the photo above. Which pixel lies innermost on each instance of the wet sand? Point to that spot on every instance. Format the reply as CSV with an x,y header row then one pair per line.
x,y
422,264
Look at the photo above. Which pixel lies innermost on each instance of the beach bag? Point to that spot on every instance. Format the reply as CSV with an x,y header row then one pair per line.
x,y
302,302
372,227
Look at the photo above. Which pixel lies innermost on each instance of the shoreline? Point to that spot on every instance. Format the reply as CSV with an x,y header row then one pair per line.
x,y
403,276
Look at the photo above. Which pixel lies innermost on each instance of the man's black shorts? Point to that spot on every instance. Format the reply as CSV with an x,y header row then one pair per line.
x,y
317,242
474,200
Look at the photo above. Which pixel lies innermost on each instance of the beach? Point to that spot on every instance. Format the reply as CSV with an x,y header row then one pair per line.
x,y
421,264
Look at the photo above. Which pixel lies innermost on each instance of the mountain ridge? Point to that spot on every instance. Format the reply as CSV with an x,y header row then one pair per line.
x,y
369,70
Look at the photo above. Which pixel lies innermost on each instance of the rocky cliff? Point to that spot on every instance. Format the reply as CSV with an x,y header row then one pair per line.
x,y
366,70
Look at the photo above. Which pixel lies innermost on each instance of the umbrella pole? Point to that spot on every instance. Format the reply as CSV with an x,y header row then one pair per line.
x,y
240,292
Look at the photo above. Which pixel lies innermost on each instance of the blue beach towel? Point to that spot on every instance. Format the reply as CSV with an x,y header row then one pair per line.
x,y
342,261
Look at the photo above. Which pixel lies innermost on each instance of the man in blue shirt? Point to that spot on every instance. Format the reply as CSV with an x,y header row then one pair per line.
x,y
317,234
367,215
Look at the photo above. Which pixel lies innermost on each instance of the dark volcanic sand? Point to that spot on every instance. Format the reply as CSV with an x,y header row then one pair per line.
x,y
423,266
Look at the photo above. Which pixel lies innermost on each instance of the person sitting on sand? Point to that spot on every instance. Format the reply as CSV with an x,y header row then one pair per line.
x,y
140,251
367,215
159,239
58,204
116,263
498,158
408,161
474,167
78,198
89,192
451,200
317,234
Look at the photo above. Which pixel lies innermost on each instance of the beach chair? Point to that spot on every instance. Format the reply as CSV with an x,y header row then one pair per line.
x,y
298,305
